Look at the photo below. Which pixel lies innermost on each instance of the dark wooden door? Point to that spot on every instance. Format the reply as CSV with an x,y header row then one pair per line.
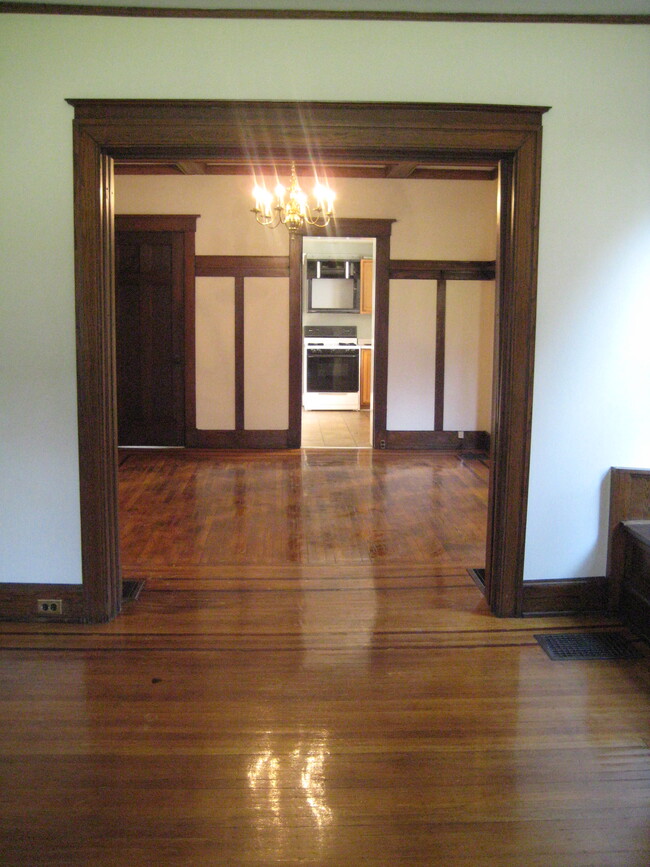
x,y
149,292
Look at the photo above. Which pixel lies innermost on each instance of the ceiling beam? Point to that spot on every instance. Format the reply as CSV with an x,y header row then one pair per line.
x,y
401,170
191,167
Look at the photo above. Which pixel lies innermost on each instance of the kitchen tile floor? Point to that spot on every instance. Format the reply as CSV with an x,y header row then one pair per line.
x,y
335,429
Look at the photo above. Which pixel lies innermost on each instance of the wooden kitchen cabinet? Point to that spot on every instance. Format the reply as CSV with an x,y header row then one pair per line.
x,y
365,377
367,281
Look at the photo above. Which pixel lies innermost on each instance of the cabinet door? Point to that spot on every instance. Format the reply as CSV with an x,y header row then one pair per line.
x,y
367,280
365,377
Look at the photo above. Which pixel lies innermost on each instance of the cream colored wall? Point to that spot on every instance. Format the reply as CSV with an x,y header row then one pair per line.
x,y
215,353
266,353
591,367
434,220
469,342
411,355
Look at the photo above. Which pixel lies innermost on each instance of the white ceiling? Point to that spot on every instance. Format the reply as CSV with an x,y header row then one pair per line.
x,y
538,7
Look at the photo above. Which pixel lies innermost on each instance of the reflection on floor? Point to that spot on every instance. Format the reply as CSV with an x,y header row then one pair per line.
x,y
336,429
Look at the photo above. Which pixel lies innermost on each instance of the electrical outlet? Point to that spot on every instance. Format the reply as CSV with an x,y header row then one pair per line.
x,y
461,434
50,606
382,444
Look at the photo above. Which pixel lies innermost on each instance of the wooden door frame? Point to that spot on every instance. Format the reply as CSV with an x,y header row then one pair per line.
x,y
106,129
350,227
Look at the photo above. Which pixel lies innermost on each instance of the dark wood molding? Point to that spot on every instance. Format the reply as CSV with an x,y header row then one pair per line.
x,y
242,439
352,227
629,500
380,343
473,441
380,230
564,596
227,167
512,391
189,240
96,385
106,129
18,602
429,269
295,341
156,222
324,15
239,353
441,331
242,266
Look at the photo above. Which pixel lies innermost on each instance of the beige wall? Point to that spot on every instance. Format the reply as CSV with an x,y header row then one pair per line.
x,y
469,342
266,353
411,355
434,220
215,353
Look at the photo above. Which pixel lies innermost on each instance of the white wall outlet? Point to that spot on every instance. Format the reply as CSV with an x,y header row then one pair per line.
x,y
461,434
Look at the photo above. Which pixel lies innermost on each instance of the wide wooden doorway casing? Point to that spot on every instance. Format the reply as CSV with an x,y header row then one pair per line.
x,y
105,129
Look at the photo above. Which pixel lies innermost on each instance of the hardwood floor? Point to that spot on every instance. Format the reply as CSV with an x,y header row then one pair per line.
x,y
301,513
279,696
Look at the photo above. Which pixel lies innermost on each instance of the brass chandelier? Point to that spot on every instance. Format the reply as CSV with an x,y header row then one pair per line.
x,y
291,207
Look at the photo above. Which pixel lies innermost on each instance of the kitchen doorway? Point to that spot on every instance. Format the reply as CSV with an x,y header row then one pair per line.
x,y
338,331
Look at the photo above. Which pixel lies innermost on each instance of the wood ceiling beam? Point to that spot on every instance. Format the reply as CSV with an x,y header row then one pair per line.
x,y
191,167
410,171
401,170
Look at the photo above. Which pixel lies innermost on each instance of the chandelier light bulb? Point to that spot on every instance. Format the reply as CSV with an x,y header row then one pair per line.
x,y
291,207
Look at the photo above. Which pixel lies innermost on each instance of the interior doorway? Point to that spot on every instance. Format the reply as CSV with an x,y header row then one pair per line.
x,y
509,135
338,293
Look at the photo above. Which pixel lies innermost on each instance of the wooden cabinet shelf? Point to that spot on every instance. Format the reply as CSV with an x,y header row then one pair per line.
x,y
367,285
365,377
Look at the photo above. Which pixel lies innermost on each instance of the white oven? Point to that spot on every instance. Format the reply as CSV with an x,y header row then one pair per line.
x,y
331,368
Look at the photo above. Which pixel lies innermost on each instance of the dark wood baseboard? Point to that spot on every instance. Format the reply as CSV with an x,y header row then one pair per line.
x,y
436,439
19,602
240,439
564,596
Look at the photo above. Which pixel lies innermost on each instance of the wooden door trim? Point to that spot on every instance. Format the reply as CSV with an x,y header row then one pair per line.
x,y
350,227
106,129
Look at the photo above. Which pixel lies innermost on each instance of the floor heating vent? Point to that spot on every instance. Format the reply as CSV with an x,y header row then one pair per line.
x,y
478,576
131,590
588,645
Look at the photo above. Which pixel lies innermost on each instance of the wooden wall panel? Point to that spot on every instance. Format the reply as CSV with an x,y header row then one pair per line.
x,y
629,500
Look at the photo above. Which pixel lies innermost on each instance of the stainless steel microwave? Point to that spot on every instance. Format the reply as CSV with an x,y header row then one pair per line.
x,y
333,286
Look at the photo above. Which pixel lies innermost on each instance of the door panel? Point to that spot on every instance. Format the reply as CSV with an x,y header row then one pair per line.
x,y
149,276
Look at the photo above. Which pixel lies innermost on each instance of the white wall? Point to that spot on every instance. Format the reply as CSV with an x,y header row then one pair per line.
x,y
592,376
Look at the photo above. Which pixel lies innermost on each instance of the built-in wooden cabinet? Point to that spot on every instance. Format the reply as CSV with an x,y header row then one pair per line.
x,y
367,281
365,377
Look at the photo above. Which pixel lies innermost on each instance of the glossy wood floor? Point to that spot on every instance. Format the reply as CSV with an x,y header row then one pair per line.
x,y
334,707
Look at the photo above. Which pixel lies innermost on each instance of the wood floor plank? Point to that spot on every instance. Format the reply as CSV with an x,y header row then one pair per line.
x,y
278,694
